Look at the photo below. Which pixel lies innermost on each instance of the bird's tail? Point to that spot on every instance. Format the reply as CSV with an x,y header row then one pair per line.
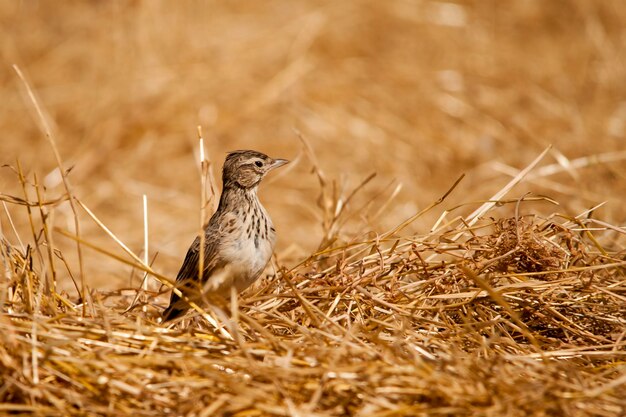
x,y
176,308
171,313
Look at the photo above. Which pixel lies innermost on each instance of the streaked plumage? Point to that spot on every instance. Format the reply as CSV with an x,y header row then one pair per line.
x,y
239,238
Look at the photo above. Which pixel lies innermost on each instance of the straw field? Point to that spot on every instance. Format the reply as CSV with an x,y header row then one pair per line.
x,y
451,225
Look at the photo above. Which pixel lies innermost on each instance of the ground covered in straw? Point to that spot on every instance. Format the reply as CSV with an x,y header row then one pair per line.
x,y
395,290
484,315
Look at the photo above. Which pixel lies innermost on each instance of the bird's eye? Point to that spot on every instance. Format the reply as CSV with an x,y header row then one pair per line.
x,y
259,164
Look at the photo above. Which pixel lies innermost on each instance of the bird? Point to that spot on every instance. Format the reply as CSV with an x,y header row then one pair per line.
x,y
239,238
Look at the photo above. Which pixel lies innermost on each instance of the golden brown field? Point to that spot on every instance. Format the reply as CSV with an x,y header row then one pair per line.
x,y
507,297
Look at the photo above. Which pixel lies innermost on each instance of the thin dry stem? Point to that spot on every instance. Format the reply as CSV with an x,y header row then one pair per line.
x,y
62,171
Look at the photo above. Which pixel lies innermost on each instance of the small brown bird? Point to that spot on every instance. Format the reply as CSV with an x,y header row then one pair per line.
x,y
239,238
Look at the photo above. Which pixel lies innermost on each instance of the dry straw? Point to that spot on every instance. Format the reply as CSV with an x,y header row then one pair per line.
x,y
483,315
513,306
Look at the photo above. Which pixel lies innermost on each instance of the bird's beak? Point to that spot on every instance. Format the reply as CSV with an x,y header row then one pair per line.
x,y
278,163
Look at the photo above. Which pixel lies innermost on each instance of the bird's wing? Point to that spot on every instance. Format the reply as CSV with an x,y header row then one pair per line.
x,y
187,278
189,269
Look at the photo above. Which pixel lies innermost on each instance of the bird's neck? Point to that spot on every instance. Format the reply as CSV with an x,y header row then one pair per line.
x,y
238,197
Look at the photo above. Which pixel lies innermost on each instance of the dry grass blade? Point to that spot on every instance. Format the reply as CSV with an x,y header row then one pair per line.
x,y
480,211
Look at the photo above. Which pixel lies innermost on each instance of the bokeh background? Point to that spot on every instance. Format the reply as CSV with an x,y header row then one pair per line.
x,y
416,91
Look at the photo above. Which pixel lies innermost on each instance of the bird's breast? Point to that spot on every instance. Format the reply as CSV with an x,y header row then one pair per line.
x,y
248,250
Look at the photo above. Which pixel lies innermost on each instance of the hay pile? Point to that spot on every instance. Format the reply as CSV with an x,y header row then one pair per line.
x,y
382,300
483,315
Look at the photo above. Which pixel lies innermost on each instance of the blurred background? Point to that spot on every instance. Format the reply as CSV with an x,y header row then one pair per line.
x,y
416,91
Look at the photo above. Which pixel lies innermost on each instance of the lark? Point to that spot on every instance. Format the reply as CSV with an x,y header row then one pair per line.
x,y
238,240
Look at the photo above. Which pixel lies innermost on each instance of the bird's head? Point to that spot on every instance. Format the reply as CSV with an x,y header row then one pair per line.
x,y
246,169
